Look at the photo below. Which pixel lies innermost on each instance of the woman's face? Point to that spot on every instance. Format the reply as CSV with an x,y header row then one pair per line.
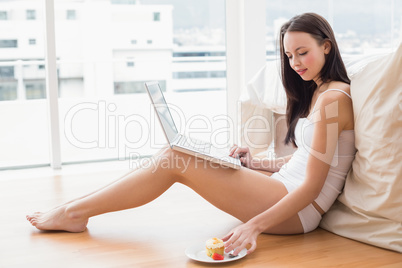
x,y
305,55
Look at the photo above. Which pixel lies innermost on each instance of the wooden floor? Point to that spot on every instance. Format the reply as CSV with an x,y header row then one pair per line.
x,y
155,235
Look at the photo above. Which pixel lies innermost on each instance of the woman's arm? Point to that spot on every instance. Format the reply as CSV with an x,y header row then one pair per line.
x,y
334,114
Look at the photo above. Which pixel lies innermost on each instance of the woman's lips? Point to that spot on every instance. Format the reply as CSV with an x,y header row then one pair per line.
x,y
301,72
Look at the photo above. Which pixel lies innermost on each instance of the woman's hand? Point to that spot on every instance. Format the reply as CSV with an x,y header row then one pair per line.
x,y
243,153
240,237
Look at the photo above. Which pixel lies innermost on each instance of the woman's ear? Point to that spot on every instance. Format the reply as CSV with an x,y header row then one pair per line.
x,y
327,46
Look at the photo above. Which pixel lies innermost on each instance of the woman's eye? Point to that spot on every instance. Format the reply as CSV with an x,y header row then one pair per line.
x,y
302,54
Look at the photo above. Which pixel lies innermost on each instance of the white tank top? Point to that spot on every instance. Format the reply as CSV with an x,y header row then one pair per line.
x,y
295,170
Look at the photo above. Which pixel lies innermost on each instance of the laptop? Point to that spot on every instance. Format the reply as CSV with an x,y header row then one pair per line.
x,y
178,142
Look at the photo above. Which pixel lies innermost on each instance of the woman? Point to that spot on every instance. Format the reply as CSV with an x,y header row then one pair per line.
x,y
290,201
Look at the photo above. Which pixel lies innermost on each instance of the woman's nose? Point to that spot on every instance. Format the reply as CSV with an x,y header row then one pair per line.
x,y
295,62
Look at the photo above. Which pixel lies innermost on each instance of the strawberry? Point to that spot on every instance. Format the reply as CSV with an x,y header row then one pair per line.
x,y
217,257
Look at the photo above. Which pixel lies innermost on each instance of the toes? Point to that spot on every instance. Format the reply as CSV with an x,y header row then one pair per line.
x,y
34,215
32,220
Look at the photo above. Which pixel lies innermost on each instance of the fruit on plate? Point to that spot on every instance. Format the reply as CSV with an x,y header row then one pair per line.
x,y
217,257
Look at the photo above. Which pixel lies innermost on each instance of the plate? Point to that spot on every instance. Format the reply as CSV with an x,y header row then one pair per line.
x,y
198,253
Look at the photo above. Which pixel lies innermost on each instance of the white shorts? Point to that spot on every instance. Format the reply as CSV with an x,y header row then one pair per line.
x,y
309,216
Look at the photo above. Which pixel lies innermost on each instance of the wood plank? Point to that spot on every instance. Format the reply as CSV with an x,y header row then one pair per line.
x,y
154,235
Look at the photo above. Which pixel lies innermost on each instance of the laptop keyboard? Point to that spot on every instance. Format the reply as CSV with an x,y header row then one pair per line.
x,y
195,144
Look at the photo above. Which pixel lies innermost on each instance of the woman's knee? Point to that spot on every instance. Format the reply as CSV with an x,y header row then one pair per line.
x,y
181,165
167,152
174,160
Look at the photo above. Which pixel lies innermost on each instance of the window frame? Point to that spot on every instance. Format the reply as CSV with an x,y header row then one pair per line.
x,y
245,55
245,52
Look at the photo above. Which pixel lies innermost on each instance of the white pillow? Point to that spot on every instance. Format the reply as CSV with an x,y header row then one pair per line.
x,y
265,89
370,208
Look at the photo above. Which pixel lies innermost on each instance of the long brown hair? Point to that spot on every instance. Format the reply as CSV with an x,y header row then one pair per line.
x,y
299,92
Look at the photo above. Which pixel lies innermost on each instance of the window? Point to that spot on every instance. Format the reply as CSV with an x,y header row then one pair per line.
x,y
200,54
6,72
123,2
31,14
375,28
358,30
35,89
90,130
3,15
8,85
71,15
199,74
133,87
157,16
25,142
134,58
8,43
103,103
8,92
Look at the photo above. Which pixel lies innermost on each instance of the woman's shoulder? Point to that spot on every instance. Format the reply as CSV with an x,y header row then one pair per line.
x,y
339,85
336,91
338,103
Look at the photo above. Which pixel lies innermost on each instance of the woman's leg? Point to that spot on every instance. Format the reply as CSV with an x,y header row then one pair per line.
x,y
37,214
242,193
160,152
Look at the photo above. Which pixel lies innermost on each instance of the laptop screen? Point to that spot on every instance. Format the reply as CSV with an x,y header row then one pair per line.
x,y
162,110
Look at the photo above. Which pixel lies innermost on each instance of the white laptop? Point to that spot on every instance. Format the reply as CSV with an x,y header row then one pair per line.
x,y
182,143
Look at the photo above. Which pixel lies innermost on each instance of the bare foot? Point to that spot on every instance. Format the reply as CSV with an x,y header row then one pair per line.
x,y
58,218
